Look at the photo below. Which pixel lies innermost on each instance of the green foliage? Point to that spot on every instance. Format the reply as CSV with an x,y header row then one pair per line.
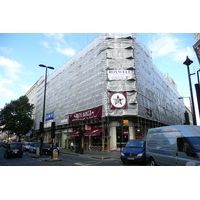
x,y
15,117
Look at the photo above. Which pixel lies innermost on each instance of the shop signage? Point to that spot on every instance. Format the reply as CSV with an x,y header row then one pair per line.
x,y
87,127
120,74
49,116
125,121
118,100
149,112
92,113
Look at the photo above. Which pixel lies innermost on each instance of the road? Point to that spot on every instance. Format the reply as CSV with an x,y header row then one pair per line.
x,y
29,159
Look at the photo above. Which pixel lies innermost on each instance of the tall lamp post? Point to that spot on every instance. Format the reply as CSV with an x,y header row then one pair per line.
x,y
188,62
42,123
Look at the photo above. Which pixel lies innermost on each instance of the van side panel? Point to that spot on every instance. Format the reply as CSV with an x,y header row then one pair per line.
x,y
162,147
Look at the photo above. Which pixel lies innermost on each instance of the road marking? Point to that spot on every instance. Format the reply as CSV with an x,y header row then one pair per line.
x,y
90,163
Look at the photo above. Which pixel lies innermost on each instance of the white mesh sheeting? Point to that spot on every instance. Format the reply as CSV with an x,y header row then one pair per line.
x,y
82,83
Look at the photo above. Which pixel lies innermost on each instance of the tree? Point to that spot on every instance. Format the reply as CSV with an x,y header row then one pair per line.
x,y
16,117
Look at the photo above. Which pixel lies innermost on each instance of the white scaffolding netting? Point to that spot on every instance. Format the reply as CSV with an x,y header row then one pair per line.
x,y
83,83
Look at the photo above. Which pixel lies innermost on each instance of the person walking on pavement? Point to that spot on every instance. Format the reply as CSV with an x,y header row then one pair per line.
x,y
72,146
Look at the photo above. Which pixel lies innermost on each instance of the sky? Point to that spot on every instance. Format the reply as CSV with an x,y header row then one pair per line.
x,y
21,54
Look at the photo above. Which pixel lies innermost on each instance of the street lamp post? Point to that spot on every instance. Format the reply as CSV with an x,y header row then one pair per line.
x,y
42,125
188,62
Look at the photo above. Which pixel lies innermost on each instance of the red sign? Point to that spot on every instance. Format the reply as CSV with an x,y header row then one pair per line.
x,y
92,113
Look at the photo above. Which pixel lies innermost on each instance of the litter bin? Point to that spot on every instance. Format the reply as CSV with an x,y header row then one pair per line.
x,y
55,154
76,149
81,151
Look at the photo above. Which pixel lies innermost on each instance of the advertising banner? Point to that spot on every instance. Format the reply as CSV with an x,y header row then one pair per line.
x,y
92,113
120,74
118,100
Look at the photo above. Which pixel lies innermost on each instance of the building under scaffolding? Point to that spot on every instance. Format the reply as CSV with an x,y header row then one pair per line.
x,y
112,79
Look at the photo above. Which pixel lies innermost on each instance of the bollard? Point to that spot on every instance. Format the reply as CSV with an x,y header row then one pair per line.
x,y
37,151
55,154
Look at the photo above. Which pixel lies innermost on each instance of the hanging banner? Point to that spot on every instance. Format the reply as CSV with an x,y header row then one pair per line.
x,y
120,74
118,100
92,113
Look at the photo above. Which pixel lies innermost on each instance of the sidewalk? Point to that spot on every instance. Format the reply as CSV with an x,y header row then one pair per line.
x,y
93,154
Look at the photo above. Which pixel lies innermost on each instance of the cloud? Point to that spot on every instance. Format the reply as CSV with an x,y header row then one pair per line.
x,y
45,44
6,50
56,36
25,88
4,92
12,67
168,45
59,44
66,51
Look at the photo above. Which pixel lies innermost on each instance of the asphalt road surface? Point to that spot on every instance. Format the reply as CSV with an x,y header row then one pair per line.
x,y
29,159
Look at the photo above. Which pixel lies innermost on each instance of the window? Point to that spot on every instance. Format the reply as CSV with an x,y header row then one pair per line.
x,y
184,146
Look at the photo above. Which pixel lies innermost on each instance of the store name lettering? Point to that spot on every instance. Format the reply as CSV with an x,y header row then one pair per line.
x,y
83,114
119,71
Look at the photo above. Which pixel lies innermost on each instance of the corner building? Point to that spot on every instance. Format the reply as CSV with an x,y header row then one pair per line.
x,y
111,92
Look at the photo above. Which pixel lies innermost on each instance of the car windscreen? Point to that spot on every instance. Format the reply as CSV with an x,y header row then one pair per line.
x,y
135,144
46,145
36,144
15,146
195,142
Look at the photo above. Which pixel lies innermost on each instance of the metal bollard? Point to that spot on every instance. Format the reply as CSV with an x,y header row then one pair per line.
x,y
37,151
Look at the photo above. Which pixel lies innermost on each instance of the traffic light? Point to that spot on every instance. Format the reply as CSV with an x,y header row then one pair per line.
x,y
119,131
81,133
53,124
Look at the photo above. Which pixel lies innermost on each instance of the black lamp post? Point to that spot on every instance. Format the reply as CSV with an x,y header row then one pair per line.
x,y
42,124
188,62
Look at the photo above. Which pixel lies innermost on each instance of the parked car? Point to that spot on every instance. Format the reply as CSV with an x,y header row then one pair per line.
x,y
33,147
47,148
13,149
2,144
134,151
26,146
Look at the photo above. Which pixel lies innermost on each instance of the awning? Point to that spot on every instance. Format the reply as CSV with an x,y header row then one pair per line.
x,y
94,132
75,133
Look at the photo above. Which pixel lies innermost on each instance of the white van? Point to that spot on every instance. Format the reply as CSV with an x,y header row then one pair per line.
x,y
176,145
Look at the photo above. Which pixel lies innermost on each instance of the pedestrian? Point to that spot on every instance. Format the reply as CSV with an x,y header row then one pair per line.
x,y
72,146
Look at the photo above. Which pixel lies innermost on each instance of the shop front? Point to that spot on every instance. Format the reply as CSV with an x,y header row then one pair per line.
x,y
94,139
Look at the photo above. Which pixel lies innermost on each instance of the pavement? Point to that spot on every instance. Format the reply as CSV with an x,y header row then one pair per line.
x,y
86,154
93,154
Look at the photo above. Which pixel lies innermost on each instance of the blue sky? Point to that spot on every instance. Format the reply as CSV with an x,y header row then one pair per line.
x,y
21,53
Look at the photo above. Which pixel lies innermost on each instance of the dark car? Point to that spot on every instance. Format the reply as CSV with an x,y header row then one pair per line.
x,y
13,149
34,146
134,151
47,148
2,144
26,146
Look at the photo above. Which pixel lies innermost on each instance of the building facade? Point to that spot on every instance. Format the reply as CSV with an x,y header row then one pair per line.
x,y
106,94
196,46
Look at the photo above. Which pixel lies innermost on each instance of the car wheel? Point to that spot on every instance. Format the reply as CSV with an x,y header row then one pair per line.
x,y
6,155
152,162
20,155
